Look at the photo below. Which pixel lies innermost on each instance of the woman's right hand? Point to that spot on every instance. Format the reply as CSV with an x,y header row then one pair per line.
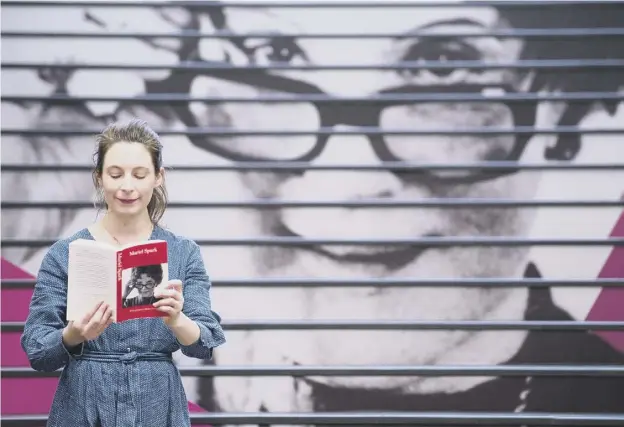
x,y
89,327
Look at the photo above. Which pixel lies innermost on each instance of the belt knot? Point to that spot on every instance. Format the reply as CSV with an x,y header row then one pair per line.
x,y
130,357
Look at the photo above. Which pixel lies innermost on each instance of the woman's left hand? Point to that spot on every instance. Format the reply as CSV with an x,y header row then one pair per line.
x,y
172,301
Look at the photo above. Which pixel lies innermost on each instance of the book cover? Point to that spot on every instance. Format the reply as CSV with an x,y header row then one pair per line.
x,y
125,278
140,270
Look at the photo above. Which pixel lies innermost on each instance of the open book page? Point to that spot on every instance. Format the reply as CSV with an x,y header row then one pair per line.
x,y
91,277
141,268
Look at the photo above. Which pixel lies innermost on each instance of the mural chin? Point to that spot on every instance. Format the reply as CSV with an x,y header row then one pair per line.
x,y
401,262
390,258
398,303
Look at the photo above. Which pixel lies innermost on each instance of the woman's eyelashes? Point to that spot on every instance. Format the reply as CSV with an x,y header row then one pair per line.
x,y
140,175
135,176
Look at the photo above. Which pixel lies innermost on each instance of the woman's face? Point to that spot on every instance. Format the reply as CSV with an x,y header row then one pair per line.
x,y
128,178
145,284
371,261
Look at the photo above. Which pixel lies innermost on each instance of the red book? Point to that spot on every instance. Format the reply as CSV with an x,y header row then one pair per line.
x,y
123,277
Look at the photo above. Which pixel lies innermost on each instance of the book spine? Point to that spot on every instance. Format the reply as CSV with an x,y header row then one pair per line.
x,y
118,286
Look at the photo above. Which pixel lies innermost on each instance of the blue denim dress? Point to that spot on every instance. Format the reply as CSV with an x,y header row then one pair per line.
x,y
125,377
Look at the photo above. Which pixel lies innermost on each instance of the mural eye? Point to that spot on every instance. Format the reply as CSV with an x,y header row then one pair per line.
x,y
277,50
440,51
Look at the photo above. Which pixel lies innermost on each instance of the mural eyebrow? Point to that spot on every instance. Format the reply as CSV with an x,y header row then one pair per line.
x,y
443,22
90,18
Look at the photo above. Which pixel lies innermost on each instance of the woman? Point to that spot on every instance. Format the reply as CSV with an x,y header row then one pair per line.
x,y
121,374
144,280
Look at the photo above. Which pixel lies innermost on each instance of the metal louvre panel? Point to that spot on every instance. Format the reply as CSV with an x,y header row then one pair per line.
x,y
353,325
426,419
224,67
383,283
325,98
426,145
425,242
304,371
524,33
301,5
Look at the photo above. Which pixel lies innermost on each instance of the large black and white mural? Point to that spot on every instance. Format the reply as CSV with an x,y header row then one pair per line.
x,y
359,70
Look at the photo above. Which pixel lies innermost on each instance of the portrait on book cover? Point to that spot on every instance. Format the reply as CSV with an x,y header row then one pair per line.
x,y
139,284
351,134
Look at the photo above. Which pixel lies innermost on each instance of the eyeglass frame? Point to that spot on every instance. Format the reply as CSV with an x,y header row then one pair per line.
x,y
523,114
151,285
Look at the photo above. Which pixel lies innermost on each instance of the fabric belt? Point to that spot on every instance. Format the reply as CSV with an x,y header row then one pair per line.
x,y
129,357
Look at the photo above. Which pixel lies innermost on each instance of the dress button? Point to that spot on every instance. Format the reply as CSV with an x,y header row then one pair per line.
x,y
128,350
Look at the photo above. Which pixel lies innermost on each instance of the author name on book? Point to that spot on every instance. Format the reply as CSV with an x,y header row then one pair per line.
x,y
144,251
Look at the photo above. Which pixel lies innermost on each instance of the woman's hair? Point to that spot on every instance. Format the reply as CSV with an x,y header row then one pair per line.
x,y
154,271
133,131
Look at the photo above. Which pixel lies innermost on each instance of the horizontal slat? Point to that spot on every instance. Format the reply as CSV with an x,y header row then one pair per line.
x,y
519,130
392,325
364,371
273,166
424,242
323,98
225,68
203,4
380,418
386,204
546,33
382,283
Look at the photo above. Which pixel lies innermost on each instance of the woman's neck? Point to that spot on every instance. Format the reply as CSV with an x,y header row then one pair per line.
x,y
127,229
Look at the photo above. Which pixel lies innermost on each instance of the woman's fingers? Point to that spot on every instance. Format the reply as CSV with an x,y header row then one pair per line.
x,y
108,315
166,302
98,318
99,314
106,323
87,317
177,284
168,293
167,309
